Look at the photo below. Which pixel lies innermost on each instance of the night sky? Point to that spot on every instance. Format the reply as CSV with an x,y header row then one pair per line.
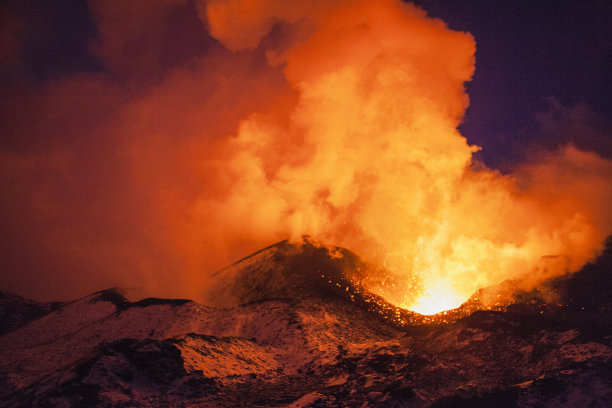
x,y
534,58
79,93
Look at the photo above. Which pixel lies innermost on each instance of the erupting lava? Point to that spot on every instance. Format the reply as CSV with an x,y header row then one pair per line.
x,y
336,119
369,156
435,298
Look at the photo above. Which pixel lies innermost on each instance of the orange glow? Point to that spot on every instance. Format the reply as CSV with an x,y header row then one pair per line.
x,y
435,298
335,119
384,171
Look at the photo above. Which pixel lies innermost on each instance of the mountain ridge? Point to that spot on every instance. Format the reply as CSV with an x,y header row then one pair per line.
x,y
320,345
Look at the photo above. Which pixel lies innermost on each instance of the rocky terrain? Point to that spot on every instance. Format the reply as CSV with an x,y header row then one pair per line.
x,y
293,326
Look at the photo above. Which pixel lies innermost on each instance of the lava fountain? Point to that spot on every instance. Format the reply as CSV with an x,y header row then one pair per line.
x,y
370,157
333,119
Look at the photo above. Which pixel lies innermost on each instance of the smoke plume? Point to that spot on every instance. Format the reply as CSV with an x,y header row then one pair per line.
x,y
217,128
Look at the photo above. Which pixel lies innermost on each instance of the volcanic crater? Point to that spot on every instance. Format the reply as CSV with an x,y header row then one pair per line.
x,y
294,325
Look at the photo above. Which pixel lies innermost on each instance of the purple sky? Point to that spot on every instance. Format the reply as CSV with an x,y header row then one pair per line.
x,y
534,58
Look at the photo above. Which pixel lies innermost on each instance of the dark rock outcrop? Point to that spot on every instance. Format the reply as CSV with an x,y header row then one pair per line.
x,y
299,329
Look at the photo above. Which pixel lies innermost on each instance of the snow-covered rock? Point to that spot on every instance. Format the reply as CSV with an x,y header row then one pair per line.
x,y
295,328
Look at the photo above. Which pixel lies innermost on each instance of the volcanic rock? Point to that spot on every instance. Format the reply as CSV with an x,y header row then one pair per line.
x,y
294,326
16,311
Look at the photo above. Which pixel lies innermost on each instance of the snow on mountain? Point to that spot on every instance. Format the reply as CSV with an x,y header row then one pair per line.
x,y
16,311
293,327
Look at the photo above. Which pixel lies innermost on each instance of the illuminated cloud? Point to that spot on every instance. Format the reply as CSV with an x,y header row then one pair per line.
x,y
333,119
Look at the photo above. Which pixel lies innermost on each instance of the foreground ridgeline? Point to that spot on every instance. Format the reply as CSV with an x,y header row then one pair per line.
x,y
294,326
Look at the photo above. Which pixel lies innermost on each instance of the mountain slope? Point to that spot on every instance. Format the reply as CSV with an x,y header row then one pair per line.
x,y
16,311
294,326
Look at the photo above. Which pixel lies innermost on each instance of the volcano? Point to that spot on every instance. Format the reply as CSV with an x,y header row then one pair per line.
x,y
294,325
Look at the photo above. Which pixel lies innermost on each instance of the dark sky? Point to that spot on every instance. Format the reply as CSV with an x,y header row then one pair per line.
x,y
534,57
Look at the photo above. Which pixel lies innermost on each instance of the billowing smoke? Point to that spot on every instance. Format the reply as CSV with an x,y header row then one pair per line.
x,y
336,119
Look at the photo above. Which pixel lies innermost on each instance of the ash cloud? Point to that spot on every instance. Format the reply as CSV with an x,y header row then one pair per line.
x,y
209,130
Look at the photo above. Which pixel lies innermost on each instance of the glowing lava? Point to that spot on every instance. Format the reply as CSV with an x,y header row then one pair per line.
x,y
436,297
370,158
334,119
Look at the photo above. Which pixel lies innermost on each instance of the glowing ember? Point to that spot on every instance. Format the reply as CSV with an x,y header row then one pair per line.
x,y
437,297
336,119
370,157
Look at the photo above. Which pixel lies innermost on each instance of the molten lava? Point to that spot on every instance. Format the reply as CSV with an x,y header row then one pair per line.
x,y
435,298
337,119
370,157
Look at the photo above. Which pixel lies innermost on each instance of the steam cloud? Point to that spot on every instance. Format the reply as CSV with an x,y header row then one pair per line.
x,y
335,119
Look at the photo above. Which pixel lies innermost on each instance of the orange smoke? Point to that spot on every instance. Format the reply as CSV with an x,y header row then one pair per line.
x,y
336,119
387,174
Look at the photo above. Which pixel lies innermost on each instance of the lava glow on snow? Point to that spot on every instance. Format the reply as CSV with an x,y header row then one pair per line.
x,y
337,119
